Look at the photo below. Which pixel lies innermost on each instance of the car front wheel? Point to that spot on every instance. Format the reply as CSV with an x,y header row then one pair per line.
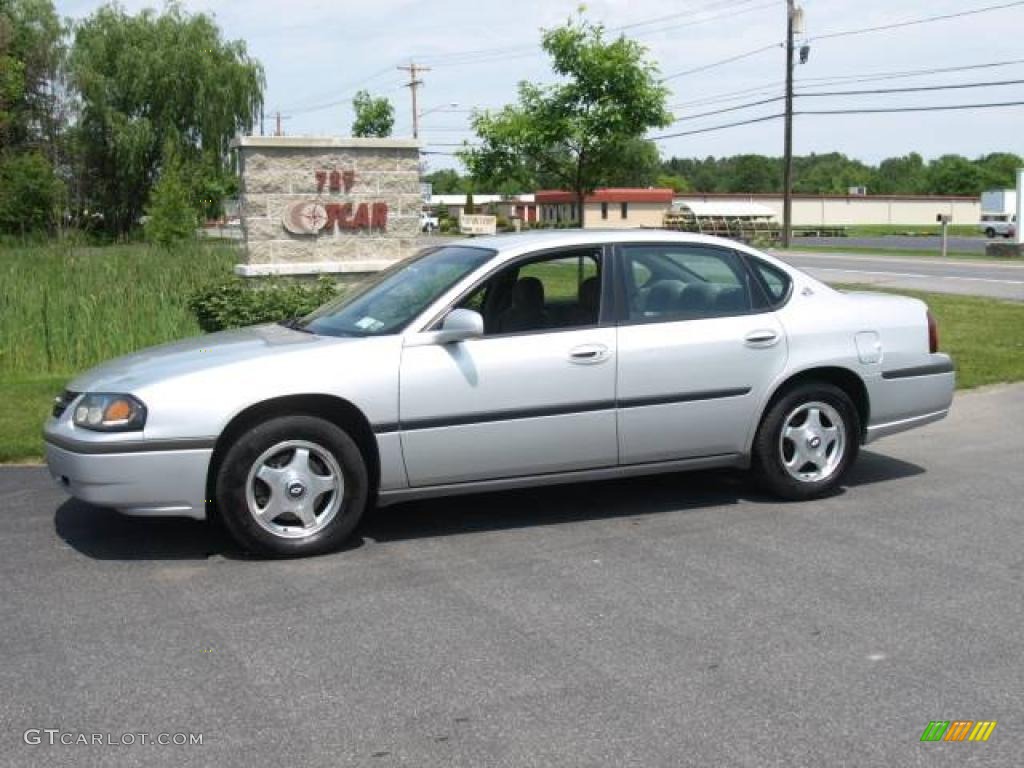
x,y
292,486
806,442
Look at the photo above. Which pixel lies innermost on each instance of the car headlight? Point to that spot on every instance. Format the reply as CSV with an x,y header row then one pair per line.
x,y
109,412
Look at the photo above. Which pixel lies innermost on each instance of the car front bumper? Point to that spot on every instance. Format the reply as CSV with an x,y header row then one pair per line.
x,y
136,482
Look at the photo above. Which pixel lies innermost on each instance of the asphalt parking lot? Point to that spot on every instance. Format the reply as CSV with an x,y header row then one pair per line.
x,y
682,620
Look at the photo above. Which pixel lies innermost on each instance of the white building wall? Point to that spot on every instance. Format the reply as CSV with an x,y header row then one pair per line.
x,y
846,211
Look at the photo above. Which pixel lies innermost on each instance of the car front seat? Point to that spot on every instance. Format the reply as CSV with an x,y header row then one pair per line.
x,y
527,310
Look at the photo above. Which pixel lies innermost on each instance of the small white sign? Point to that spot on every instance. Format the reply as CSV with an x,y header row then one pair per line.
x,y
478,224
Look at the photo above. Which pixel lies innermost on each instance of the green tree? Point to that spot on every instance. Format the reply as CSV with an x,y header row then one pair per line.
x,y
575,131
672,181
752,173
149,79
998,170
830,174
374,116
904,175
31,57
638,166
30,193
172,215
953,175
469,208
447,181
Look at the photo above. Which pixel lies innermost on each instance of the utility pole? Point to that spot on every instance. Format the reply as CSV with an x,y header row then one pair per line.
x,y
412,85
278,117
787,173
261,119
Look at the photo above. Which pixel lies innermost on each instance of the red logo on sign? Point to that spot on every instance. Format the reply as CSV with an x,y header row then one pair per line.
x,y
335,181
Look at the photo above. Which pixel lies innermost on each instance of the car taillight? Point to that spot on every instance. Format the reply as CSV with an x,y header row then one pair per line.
x,y
933,334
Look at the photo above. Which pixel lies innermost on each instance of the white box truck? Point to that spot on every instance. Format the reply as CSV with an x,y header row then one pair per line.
x,y
998,212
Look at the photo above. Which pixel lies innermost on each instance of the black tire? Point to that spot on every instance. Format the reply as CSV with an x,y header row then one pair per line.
x,y
233,475
990,232
768,465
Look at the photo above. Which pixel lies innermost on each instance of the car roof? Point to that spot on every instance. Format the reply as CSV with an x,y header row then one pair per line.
x,y
569,237
515,243
512,245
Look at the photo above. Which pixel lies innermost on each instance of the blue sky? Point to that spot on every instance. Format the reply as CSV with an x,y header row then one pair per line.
x,y
317,53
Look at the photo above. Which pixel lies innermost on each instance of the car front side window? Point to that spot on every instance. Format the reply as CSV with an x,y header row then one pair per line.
x,y
554,292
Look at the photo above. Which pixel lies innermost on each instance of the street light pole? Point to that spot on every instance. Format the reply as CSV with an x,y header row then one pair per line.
x,y
787,173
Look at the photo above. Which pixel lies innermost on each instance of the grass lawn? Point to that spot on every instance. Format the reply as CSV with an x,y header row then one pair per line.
x,y
920,230
26,403
65,308
868,251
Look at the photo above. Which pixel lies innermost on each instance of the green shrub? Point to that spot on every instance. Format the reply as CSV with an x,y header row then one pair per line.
x,y
30,193
234,303
172,217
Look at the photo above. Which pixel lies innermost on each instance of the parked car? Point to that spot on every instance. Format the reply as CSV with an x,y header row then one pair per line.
x,y
1002,224
503,362
428,223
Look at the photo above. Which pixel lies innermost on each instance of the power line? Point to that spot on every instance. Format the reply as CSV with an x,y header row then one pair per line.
x,y
717,127
765,118
731,95
728,109
864,77
738,57
868,77
914,22
337,102
949,86
934,108
680,14
516,51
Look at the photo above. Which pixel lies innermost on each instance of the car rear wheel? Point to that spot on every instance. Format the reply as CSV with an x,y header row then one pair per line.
x,y
292,486
806,442
990,232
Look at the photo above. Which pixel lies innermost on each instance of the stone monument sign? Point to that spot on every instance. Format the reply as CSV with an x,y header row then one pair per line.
x,y
313,205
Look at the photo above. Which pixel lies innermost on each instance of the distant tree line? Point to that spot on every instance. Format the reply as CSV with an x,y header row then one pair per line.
x,y
824,174
116,115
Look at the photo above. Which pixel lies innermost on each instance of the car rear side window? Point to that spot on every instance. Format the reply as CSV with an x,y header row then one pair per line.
x,y
775,283
682,281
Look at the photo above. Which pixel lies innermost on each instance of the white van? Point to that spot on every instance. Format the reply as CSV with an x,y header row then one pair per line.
x,y
1003,224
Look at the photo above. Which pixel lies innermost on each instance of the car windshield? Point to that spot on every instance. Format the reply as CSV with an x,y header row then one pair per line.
x,y
389,301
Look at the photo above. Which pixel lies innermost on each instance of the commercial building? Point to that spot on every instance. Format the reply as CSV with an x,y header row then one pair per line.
x,y
611,208
849,210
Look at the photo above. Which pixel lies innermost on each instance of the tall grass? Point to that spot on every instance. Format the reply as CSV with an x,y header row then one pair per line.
x,y
64,308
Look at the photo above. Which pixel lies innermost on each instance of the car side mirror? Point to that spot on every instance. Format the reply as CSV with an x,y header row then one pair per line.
x,y
459,325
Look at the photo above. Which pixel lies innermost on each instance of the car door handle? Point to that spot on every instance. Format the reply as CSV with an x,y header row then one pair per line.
x,y
761,338
588,354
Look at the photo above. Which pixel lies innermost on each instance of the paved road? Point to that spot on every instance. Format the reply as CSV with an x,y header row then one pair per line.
x,y
974,244
980,278
661,622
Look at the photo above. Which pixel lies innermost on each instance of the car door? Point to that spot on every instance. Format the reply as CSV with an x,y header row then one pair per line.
x,y
535,394
698,346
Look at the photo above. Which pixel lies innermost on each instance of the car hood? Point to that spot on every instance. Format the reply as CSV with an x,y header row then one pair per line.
x,y
181,358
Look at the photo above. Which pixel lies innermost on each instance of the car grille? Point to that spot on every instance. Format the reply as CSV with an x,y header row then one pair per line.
x,y
62,401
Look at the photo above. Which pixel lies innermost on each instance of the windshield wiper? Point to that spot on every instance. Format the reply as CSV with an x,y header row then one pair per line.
x,y
295,324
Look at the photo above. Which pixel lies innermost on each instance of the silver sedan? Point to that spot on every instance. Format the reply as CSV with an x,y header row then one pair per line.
x,y
504,362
